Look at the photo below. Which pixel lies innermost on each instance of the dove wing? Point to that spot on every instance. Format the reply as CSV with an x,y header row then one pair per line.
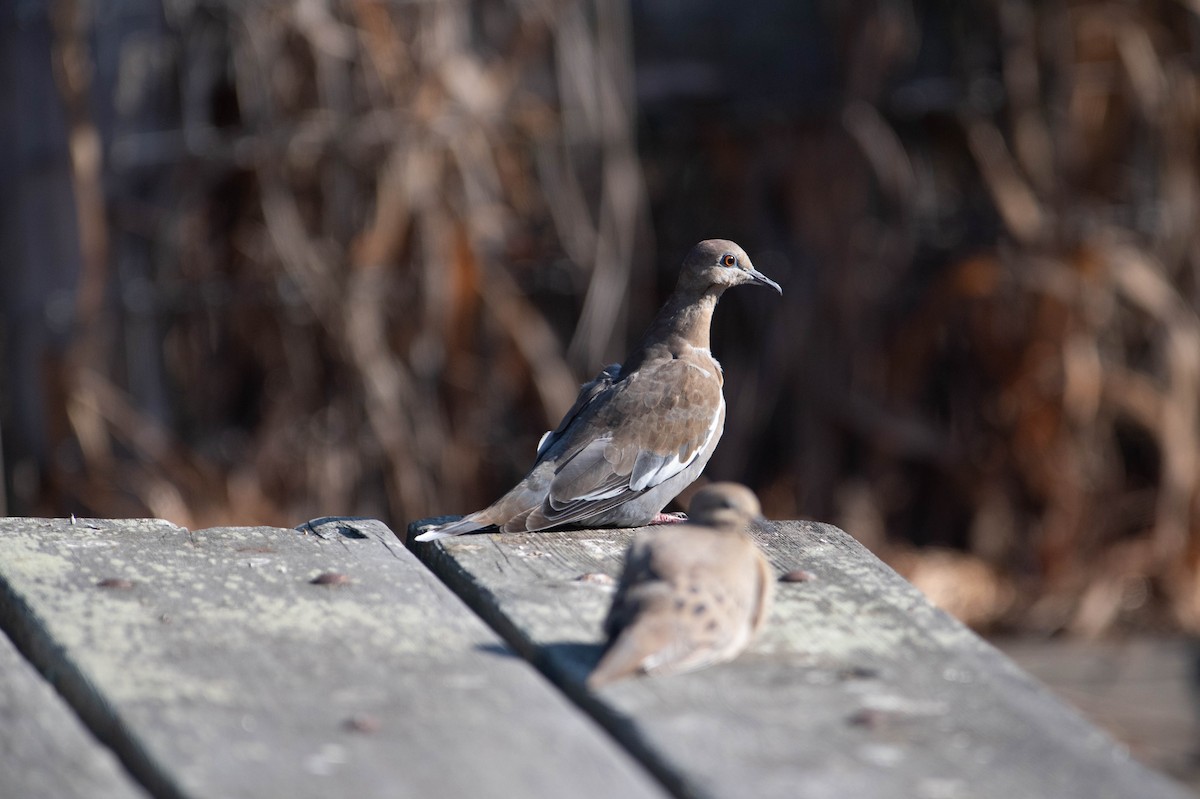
x,y
630,436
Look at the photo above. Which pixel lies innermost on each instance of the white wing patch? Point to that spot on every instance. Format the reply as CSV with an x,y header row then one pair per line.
x,y
542,441
674,466
609,494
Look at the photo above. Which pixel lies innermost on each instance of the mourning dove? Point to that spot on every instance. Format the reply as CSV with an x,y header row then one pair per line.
x,y
642,430
690,595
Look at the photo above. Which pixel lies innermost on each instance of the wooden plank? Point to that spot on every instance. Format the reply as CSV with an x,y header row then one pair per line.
x,y
857,687
214,666
45,752
1141,689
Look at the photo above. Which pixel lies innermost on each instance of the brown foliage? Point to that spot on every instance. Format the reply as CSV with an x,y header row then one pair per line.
x,y
398,235
347,288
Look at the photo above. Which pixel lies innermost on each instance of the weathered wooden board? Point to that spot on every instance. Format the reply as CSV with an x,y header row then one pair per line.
x,y
1142,689
45,751
857,687
215,667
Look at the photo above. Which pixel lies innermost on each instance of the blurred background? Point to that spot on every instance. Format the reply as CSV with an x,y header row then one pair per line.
x,y
265,261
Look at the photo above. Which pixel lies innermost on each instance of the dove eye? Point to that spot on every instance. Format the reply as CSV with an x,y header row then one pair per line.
x,y
729,260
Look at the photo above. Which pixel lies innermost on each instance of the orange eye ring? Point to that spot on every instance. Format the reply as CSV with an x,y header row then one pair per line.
x,y
729,260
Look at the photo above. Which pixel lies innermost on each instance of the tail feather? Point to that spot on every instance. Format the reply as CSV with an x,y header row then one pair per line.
x,y
623,658
655,643
649,644
466,524
509,513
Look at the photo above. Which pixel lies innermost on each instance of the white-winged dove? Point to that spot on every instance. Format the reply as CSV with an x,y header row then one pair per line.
x,y
641,431
690,595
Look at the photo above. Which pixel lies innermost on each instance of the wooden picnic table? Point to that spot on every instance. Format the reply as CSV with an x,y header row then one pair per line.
x,y
143,659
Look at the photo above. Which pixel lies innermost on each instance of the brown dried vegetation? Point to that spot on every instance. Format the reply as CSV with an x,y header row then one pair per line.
x,y
399,235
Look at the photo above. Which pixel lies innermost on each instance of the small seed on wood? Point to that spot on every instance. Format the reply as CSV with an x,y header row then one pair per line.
x,y
330,578
797,576
115,583
866,717
599,578
858,673
362,722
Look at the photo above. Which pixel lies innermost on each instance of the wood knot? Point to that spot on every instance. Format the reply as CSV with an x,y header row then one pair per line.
x,y
330,578
797,576
115,583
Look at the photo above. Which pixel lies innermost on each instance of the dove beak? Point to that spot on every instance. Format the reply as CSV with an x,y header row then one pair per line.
x,y
762,280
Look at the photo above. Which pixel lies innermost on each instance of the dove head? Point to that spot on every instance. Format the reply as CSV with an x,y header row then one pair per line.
x,y
728,505
720,264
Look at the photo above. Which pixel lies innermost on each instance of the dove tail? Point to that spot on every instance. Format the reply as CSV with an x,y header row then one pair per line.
x,y
624,657
467,524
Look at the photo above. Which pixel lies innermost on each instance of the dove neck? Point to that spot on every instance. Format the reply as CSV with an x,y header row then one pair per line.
x,y
682,324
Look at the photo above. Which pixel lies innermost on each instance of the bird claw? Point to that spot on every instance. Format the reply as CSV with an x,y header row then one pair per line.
x,y
669,518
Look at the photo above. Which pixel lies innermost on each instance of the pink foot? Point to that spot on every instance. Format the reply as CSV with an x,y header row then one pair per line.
x,y
669,518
